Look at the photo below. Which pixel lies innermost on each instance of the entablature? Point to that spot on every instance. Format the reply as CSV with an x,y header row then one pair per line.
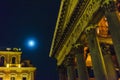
x,y
66,9
76,28
16,69
10,52
57,39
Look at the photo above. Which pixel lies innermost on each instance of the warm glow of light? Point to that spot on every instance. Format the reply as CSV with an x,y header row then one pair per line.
x,y
19,65
7,65
98,31
103,27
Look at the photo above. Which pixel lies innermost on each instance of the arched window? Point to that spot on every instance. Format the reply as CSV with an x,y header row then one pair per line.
x,y
13,60
12,78
2,60
24,78
2,76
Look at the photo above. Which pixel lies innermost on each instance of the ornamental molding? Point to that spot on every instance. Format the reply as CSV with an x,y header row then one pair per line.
x,y
80,24
59,24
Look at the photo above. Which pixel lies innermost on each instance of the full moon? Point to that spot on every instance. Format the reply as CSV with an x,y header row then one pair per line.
x,y
31,43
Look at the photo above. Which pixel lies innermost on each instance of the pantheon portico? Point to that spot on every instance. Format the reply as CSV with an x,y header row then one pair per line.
x,y
86,40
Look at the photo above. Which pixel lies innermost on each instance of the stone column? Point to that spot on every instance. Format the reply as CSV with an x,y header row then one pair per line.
x,y
96,55
32,75
62,72
108,62
19,76
81,66
114,26
70,67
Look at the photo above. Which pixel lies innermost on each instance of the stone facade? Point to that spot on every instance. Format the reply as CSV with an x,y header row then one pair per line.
x,y
11,67
87,38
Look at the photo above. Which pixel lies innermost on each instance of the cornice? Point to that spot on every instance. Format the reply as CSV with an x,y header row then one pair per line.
x,y
10,52
61,23
16,69
78,11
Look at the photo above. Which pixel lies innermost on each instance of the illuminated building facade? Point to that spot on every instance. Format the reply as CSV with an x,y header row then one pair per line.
x,y
86,40
11,67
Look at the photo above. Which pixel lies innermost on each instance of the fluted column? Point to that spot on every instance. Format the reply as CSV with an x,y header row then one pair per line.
x,y
62,72
114,26
96,55
108,62
81,66
70,67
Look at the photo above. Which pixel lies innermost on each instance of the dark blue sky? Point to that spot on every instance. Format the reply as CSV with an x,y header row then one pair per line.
x,y
23,19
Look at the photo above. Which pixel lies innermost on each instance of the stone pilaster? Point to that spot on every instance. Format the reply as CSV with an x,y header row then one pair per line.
x,y
96,55
62,72
111,73
78,49
114,26
70,67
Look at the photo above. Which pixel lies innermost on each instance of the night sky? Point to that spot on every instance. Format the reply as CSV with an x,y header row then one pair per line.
x,y
21,20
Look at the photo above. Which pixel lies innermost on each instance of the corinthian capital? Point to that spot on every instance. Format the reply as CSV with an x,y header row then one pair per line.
x,y
91,29
69,61
110,6
78,48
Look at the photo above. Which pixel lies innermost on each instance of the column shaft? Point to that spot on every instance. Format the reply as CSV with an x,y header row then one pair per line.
x,y
62,73
111,73
110,67
81,66
96,55
70,67
114,26
71,73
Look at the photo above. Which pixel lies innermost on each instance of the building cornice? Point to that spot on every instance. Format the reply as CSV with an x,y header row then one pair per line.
x,y
17,69
61,23
58,25
10,52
